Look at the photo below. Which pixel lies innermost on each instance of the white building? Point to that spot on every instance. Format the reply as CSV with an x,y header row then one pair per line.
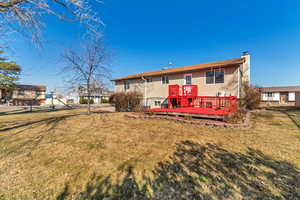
x,y
97,94
280,95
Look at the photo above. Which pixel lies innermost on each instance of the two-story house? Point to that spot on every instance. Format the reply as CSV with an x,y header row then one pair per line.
x,y
221,78
97,94
25,95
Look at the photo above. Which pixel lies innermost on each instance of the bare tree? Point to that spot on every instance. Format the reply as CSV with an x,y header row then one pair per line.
x,y
26,16
87,68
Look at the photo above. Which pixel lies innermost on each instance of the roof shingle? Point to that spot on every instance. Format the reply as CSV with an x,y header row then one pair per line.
x,y
281,89
31,87
184,69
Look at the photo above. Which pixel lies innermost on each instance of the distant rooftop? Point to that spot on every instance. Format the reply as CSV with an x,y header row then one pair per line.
x,y
31,87
281,89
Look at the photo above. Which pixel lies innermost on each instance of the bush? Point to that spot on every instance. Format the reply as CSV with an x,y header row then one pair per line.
x,y
251,97
127,101
104,100
236,117
82,100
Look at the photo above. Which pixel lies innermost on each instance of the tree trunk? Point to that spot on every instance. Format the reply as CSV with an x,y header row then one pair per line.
x,y
89,106
89,98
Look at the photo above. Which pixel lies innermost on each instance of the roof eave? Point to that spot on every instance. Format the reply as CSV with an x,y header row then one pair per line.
x,y
136,77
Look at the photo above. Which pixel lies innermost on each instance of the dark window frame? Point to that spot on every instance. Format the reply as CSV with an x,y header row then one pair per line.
x,y
270,94
149,79
186,81
126,85
222,76
165,79
208,77
211,76
157,103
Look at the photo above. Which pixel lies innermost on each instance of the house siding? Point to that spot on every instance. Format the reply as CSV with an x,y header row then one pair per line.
x,y
297,98
275,97
28,94
156,91
24,95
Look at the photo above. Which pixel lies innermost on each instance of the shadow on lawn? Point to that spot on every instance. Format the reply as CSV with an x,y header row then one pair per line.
x,y
27,111
291,111
52,121
32,142
201,172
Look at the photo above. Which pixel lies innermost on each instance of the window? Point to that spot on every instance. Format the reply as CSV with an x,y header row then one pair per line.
x,y
188,79
149,80
270,94
21,92
210,77
219,76
126,85
292,96
165,80
39,93
215,76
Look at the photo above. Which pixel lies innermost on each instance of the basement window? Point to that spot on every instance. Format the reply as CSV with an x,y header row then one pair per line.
x,y
157,103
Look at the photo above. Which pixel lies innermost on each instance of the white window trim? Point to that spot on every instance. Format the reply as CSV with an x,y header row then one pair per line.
x,y
185,75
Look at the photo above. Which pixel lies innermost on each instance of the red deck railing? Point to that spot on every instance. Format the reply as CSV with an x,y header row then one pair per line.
x,y
226,104
185,99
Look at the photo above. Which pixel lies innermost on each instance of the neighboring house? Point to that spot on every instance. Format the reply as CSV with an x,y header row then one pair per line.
x,y
221,78
279,95
24,95
52,99
97,94
297,99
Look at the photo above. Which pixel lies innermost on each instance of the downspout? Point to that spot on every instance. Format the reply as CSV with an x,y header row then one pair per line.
x,y
145,91
239,81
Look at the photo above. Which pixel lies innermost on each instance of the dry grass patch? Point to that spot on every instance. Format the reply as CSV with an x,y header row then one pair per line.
x,y
70,155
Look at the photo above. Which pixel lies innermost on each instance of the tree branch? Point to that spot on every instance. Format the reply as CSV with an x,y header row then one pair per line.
x,y
12,3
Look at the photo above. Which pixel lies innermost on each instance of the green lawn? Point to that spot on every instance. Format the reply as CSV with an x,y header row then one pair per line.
x,y
69,155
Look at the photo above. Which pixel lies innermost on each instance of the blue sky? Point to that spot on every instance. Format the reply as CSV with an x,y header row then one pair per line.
x,y
147,35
